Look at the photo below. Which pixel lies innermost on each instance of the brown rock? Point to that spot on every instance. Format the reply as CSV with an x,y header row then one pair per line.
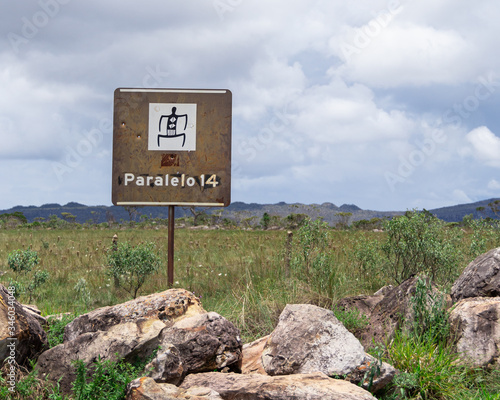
x,y
148,389
394,311
475,324
205,342
251,357
27,339
481,278
127,340
168,306
314,386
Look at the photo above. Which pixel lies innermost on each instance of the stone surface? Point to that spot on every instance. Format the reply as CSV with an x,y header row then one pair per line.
x,y
310,339
167,367
475,323
373,375
394,311
363,304
314,386
205,342
252,357
29,337
148,389
168,306
127,340
481,278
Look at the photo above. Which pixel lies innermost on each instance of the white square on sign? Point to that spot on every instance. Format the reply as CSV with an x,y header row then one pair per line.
x,y
172,127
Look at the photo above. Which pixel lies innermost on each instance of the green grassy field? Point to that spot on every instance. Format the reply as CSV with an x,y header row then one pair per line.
x,y
248,276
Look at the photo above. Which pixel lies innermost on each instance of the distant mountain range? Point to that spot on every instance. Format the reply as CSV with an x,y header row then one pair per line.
x,y
239,211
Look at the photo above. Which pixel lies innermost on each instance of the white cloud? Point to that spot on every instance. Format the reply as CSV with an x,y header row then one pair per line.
x,y
494,185
404,53
485,146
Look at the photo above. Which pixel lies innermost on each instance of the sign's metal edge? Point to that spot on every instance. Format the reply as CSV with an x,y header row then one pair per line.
x,y
168,203
214,91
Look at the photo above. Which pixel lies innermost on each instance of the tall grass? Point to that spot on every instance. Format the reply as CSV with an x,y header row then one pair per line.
x,y
249,277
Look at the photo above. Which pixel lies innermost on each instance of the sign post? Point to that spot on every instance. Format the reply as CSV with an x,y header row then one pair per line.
x,y
171,147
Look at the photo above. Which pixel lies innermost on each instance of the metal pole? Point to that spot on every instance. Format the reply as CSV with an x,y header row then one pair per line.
x,y
171,227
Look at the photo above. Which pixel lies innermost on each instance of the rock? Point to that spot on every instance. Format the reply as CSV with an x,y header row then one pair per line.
x,y
311,339
363,304
394,311
475,323
372,374
168,306
148,389
26,339
252,357
384,291
127,340
314,386
167,367
205,342
481,278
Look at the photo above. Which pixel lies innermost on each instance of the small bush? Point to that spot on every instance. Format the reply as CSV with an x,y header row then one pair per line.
x,y
130,266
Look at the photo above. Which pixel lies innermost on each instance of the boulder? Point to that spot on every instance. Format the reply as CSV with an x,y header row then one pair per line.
x,y
251,362
314,386
205,342
168,306
475,324
21,334
311,339
481,278
395,311
127,340
148,389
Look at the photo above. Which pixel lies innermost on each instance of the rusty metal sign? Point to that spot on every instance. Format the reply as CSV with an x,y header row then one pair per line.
x,y
172,147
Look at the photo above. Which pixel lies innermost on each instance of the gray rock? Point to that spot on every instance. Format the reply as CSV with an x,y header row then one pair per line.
x,y
481,278
315,386
311,339
475,324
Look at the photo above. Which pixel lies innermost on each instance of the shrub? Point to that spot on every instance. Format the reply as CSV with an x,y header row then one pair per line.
x,y
418,242
130,266
22,261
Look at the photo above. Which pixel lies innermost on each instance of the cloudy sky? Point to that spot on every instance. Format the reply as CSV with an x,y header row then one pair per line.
x,y
386,104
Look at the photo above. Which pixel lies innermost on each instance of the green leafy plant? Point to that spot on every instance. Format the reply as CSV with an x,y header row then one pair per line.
x,y
418,242
22,261
55,331
130,266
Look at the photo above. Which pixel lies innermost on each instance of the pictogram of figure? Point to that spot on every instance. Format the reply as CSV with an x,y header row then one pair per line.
x,y
172,120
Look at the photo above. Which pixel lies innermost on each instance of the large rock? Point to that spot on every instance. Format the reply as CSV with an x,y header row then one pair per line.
x,y
128,340
168,306
315,386
372,375
363,304
481,278
21,334
204,342
148,389
395,311
311,339
475,324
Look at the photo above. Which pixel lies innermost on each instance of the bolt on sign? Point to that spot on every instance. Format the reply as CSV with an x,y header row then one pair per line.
x,y
171,147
